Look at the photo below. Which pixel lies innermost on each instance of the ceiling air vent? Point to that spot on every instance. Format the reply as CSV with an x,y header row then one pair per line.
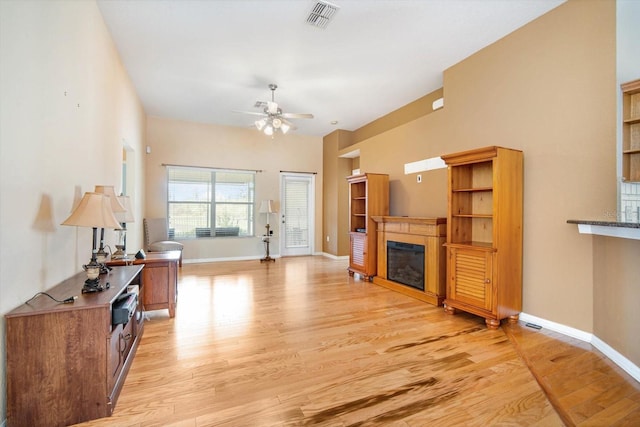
x,y
321,13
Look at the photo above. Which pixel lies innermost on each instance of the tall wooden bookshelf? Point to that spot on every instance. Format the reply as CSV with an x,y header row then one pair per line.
x,y
631,131
368,196
484,233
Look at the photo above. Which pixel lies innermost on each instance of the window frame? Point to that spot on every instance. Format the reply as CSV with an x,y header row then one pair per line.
x,y
212,205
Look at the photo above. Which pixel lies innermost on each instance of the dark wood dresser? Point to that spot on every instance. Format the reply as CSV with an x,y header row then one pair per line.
x,y
66,363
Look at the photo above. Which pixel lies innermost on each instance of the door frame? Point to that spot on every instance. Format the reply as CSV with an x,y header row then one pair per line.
x,y
312,213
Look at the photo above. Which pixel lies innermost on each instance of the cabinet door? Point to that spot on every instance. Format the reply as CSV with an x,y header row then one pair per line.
x,y
156,285
114,357
358,251
470,277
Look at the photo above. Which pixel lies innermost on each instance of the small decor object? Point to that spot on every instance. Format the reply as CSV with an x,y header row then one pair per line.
x,y
94,210
267,207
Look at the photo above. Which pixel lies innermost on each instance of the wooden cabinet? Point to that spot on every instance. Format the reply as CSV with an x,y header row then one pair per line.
x,y
631,131
66,363
484,233
160,277
368,196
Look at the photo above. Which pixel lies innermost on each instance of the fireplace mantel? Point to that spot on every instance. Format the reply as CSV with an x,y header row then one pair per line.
x,y
429,232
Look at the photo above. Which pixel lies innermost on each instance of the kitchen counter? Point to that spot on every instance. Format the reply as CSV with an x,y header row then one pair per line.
x,y
624,230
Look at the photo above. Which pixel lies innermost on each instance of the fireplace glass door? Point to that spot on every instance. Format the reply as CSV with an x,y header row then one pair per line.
x,y
405,264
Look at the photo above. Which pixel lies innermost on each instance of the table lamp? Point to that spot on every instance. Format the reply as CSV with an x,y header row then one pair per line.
x,y
117,208
94,210
124,218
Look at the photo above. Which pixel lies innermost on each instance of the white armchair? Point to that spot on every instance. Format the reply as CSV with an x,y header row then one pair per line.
x,y
156,237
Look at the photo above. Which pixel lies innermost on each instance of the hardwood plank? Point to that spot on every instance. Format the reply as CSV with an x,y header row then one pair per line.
x,y
300,342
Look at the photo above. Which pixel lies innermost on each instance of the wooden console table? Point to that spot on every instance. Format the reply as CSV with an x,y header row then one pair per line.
x,y
160,277
66,363
428,232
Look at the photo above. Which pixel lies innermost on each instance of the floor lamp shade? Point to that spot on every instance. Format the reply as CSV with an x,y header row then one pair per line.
x,y
267,207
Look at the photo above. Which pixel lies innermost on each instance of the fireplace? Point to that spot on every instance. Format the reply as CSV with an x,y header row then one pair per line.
x,y
411,257
405,264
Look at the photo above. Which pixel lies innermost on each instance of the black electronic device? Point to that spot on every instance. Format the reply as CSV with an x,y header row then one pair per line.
x,y
141,254
124,308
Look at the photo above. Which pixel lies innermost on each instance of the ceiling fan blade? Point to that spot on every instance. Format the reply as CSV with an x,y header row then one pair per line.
x,y
297,115
253,113
288,123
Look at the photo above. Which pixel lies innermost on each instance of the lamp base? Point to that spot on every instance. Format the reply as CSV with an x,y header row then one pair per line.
x,y
93,285
267,240
119,253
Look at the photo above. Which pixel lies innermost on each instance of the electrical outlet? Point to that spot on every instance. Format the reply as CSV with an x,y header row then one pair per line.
x,y
327,238
419,179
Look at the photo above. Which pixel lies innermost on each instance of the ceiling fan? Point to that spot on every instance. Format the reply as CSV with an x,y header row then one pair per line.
x,y
273,119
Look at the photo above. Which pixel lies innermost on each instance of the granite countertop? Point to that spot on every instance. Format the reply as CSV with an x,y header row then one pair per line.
x,y
604,223
624,230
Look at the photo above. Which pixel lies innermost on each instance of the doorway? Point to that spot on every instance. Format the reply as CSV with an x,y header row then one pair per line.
x,y
297,218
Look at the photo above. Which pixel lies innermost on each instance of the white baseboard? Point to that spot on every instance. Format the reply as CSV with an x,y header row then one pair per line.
x,y
249,258
625,364
336,257
244,258
628,366
557,327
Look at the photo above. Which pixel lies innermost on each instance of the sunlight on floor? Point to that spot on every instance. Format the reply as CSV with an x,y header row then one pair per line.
x,y
223,303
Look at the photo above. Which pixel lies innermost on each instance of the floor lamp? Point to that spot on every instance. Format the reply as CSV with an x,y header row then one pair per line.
x,y
267,207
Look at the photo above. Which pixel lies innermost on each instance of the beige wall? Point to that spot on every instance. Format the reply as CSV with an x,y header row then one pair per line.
x,y
616,293
615,261
549,89
335,217
193,144
67,108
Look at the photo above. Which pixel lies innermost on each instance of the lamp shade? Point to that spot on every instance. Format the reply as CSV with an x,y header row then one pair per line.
x,y
267,206
108,190
94,210
127,215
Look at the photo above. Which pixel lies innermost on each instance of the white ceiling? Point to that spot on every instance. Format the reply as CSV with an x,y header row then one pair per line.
x,y
199,60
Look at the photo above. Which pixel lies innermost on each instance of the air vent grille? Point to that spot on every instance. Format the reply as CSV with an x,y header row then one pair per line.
x,y
321,14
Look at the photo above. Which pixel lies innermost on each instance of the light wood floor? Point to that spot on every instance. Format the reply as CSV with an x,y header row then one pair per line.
x,y
299,342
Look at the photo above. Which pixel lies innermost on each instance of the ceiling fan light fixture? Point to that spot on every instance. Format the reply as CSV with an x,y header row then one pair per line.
x,y
260,123
273,119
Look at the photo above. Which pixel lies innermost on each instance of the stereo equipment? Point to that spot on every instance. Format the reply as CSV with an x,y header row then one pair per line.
x,y
124,308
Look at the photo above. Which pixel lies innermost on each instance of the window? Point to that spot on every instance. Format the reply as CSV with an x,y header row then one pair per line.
x,y
210,202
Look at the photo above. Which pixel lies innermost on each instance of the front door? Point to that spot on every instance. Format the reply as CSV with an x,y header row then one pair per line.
x,y
297,213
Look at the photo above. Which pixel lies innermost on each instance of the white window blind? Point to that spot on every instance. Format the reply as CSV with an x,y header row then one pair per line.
x,y
210,202
296,213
